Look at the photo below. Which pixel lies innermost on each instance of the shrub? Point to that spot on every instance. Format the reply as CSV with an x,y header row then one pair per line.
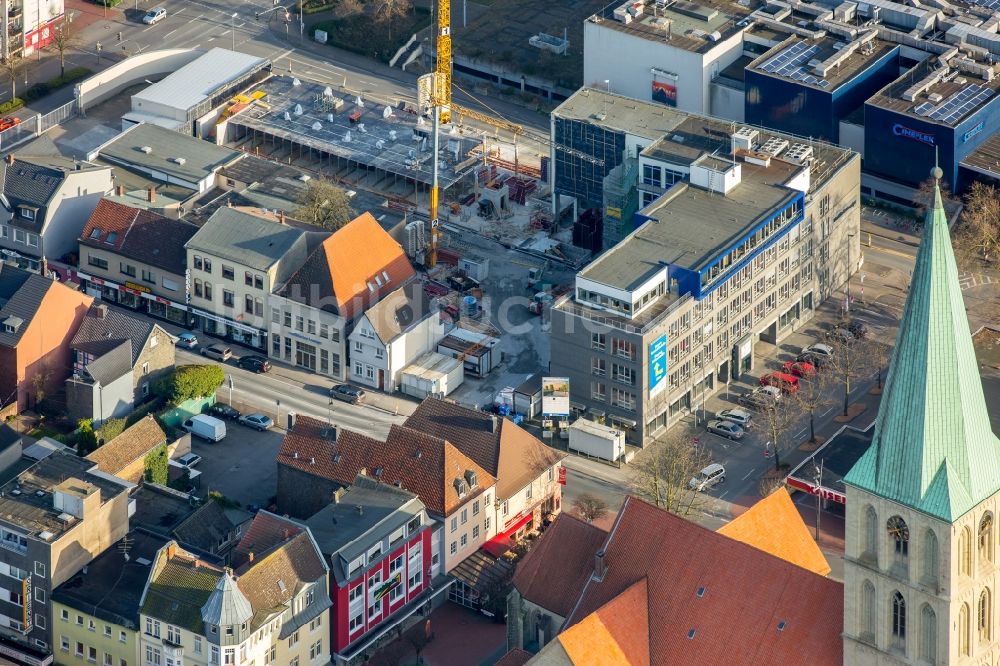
x,y
111,429
42,89
86,439
191,381
155,465
11,105
216,496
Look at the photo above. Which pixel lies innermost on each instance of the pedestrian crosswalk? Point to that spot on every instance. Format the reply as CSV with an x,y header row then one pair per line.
x,y
968,280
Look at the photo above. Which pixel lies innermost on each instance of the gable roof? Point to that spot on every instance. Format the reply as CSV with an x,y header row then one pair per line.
x,y
104,328
270,582
180,587
572,543
615,633
503,448
206,528
33,181
775,526
138,234
395,459
399,311
933,448
248,240
711,580
339,277
21,297
133,443
266,532
114,362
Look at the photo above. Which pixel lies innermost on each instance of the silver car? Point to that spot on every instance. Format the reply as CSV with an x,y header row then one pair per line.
x,y
740,417
219,352
708,478
726,429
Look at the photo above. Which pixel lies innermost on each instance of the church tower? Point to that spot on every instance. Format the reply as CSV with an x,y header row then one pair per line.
x,y
921,570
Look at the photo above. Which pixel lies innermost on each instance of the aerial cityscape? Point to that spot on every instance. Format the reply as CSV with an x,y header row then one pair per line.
x,y
401,333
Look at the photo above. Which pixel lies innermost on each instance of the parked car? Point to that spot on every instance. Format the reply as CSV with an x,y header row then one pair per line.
x,y
254,363
189,460
154,15
740,417
218,351
819,349
347,393
815,360
803,369
187,340
726,429
760,398
257,421
840,335
708,478
224,411
787,383
8,122
858,329
206,427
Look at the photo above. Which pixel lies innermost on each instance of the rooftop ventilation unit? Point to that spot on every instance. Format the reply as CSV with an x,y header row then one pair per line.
x,y
180,160
146,149
774,146
799,153
298,109
317,125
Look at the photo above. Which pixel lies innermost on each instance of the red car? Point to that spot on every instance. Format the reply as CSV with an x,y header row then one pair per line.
x,y
787,383
799,369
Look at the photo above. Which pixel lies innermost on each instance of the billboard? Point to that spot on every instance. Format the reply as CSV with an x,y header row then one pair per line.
x,y
657,364
665,88
555,396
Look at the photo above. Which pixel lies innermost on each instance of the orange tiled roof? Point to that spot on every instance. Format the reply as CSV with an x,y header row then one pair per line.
x,y
424,464
616,633
353,268
774,526
745,595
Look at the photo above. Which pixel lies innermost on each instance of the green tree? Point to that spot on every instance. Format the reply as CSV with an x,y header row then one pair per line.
x,y
191,381
155,468
86,439
324,205
110,429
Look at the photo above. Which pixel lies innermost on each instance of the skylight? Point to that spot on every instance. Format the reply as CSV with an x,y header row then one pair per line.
x,y
95,233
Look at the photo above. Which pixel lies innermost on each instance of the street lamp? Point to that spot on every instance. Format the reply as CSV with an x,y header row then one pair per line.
x,y
818,481
230,390
233,17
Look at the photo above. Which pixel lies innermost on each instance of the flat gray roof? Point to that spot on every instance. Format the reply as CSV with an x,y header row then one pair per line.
x,y
617,112
681,24
198,80
172,153
721,220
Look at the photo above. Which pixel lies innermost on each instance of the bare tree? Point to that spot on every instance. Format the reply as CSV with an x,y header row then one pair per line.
x,y
880,356
347,8
976,237
388,11
778,417
851,362
813,394
12,66
64,39
325,205
590,507
661,472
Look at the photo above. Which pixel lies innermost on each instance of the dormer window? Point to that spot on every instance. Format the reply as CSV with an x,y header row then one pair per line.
x,y
95,233
461,488
470,478
27,212
112,237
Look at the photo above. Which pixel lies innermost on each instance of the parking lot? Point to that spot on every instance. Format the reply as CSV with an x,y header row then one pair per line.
x,y
242,466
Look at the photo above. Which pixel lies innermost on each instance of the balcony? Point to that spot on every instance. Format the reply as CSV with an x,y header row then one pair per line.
x,y
13,11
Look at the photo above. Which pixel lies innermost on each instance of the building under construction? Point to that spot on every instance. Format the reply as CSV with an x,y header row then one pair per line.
x,y
353,140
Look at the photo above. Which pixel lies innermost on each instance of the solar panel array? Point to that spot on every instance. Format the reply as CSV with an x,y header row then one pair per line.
x,y
790,63
923,108
952,109
992,4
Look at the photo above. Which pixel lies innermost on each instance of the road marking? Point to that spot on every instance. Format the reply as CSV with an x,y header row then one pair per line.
x,y
723,495
827,412
749,474
801,432
170,33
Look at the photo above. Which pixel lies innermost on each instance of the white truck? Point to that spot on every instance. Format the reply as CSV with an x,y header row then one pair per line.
x,y
206,427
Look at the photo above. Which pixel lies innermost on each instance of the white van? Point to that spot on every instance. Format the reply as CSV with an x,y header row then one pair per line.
x,y
206,427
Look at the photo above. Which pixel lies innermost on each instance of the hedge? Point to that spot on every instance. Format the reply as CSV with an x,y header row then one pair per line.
x,y
40,90
11,105
191,381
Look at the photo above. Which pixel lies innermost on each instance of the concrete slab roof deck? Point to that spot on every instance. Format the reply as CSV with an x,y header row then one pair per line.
x,y
367,141
617,112
172,153
199,79
690,23
821,49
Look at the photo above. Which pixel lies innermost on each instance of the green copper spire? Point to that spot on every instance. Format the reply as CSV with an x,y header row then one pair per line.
x,y
933,448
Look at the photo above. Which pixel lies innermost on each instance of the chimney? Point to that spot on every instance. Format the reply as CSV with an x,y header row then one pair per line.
x,y
100,311
197,564
151,194
10,158
312,461
285,533
250,557
120,190
44,267
600,567
171,550
496,423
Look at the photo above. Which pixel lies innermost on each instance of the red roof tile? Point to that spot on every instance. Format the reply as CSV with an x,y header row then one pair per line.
x,y
553,573
516,657
745,594
266,532
423,464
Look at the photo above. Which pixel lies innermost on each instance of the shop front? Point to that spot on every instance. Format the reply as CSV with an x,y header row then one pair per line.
x,y
234,331
135,296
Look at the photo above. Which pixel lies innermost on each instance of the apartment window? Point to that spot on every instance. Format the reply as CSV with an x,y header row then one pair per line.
x,y
316,623
39,620
453,548
108,659
288,319
475,508
64,643
598,341
475,532
299,323
454,523
20,236
598,366
311,327
92,655
528,492
174,634
122,637
198,290
357,622
214,658
79,649
258,282
97,262
415,579
228,273
623,348
652,175
276,345
208,265
248,304
316,649
152,627
79,620
198,262
293,639
126,269
27,212
107,630
147,276
324,361
598,391
4,232
505,507
208,291
229,656
197,644
465,516
356,593
228,298
379,353
624,374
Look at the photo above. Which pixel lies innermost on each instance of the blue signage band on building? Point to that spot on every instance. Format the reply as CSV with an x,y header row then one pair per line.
x,y
974,131
904,131
657,361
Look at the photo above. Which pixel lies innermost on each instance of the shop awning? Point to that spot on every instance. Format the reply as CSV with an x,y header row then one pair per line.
x,y
501,543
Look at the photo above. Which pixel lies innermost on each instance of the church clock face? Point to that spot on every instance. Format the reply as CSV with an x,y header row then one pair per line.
x,y
897,529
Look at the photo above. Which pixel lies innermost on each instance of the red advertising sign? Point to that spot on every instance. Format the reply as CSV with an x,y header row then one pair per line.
x,y
665,92
825,493
562,476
